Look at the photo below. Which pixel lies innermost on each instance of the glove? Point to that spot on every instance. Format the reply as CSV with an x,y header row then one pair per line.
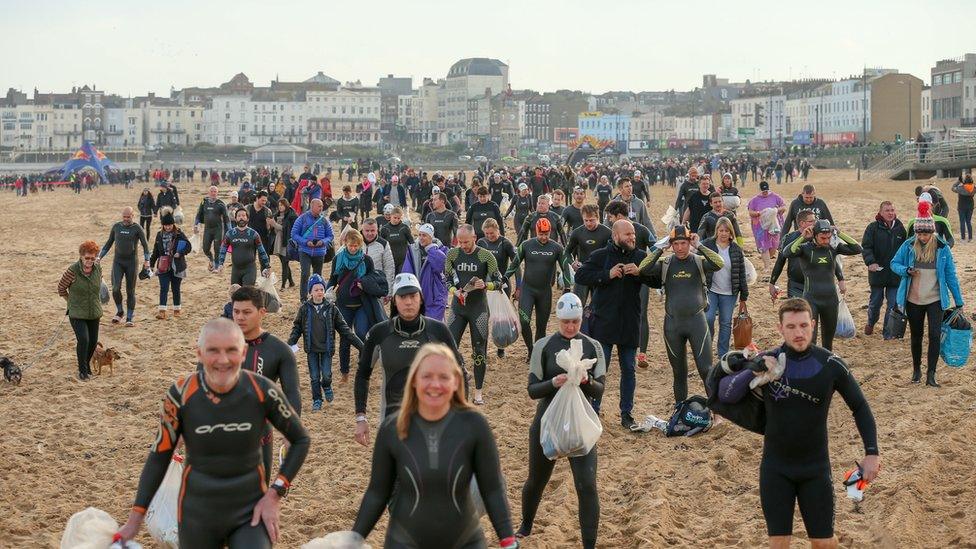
x,y
294,348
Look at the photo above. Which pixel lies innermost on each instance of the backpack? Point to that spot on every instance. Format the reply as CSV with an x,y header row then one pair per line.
x,y
666,264
691,416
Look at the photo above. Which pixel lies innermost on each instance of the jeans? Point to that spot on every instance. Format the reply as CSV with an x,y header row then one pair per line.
x,y
723,306
878,294
308,261
355,317
966,222
628,378
320,372
169,280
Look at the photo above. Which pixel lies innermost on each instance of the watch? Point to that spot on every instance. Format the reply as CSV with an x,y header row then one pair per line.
x,y
280,486
360,418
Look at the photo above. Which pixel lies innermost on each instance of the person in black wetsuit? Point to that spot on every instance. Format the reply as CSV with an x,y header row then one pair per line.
x,y
545,378
443,219
683,278
220,412
481,211
427,456
266,355
398,235
543,211
126,236
392,345
573,214
604,193
522,204
213,215
795,466
470,272
794,287
818,262
541,256
498,186
588,237
246,243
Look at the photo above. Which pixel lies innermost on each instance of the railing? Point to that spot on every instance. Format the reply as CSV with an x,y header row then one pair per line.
x,y
921,156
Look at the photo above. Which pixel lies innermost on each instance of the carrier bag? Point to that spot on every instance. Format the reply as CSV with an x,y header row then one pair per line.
x,y
103,293
670,219
267,285
751,275
503,319
897,321
91,529
845,322
338,540
956,338
178,215
195,241
569,426
161,516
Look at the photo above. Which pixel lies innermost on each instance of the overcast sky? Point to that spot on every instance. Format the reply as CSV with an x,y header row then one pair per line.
x,y
134,47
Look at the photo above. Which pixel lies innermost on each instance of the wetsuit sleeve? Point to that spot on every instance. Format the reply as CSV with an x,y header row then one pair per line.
x,y
652,268
198,219
225,215
516,263
288,376
365,369
223,249
526,228
565,272
571,244
777,268
538,387
108,243
145,243
296,327
733,388
851,392
442,334
381,479
491,483
794,249
284,418
157,463
712,261
594,386
494,281
262,253
498,217
847,246
344,330
449,269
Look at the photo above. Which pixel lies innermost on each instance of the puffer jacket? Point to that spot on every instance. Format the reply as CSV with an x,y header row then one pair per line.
x,y
739,286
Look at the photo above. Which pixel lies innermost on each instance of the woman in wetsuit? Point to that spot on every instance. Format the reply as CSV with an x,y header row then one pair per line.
x,y
432,450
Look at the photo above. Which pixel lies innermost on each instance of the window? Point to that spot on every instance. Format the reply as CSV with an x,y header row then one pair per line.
x,y
937,80
957,77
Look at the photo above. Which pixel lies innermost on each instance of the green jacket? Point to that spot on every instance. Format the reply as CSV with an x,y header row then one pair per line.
x,y
83,294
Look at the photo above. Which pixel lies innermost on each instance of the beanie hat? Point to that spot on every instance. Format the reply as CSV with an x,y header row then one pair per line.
x,y
925,197
924,223
166,217
313,280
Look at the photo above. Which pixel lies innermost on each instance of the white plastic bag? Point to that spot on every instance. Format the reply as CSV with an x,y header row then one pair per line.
x,y
195,241
503,318
338,540
267,285
845,322
91,529
751,275
178,215
769,220
161,517
670,219
506,202
731,202
570,427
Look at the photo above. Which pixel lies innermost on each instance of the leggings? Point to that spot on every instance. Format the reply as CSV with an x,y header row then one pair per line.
x,y
965,222
124,268
779,492
584,479
145,221
541,300
916,321
679,332
474,316
212,236
286,271
169,280
825,315
309,262
245,275
86,334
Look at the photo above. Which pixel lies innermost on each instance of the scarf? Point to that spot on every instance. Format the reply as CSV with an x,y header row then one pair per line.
x,y
346,261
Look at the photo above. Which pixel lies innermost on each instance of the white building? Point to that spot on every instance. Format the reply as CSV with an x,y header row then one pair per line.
x,y
926,110
348,115
241,120
124,125
466,79
166,122
428,119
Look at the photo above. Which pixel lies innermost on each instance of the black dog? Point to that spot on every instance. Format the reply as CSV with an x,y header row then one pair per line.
x,y
10,370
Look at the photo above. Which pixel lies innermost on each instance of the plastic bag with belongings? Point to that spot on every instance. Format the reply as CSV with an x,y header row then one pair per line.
x,y
161,517
769,220
267,285
731,202
195,240
570,427
338,540
178,215
846,329
670,219
956,338
91,529
751,275
503,319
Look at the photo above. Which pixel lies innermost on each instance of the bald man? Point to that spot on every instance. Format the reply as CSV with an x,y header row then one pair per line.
x,y
614,279
126,236
214,217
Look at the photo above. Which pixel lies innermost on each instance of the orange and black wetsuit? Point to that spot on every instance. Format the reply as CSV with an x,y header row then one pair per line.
x,y
223,478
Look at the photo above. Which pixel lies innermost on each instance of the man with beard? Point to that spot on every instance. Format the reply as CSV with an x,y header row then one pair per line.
x,y
807,200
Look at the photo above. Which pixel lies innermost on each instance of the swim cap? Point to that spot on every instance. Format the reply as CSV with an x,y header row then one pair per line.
x,y
569,307
543,225
822,226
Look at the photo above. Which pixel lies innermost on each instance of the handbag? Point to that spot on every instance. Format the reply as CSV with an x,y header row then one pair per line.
x,y
897,321
742,328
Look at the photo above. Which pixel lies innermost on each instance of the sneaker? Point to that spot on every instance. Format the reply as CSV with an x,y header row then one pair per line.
x,y
329,395
501,353
161,314
642,361
316,405
129,323
868,329
117,319
627,421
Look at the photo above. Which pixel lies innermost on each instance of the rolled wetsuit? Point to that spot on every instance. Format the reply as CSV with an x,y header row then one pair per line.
x,y
469,309
246,244
685,302
392,344
795,466
542,368
223,476
537,279
432,470
794,284
126,237
818,264
581,243
215,218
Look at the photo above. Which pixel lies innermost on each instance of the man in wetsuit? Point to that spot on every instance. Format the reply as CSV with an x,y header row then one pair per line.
x,y
246,245
795,466
541,255
397,234
522,204
794,273
126,236
266,355
573,214
706,227
470,272
391,345
584,240
690,183
220,412
545,379
682,276
604,193
443,220
212,214
482,210
818,261
542,211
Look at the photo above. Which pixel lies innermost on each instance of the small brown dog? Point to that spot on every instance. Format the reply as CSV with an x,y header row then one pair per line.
x,y
104,357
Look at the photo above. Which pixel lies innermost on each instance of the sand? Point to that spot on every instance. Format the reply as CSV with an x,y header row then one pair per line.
x,y
66,445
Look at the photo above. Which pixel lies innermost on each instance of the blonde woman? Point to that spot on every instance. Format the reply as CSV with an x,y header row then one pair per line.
x,y
727,286
432,449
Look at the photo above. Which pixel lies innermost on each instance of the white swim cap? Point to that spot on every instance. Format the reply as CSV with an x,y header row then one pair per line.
x,y
569,307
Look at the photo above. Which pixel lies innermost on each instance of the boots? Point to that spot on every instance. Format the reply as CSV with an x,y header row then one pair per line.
x,y
916,373
161,314
930,379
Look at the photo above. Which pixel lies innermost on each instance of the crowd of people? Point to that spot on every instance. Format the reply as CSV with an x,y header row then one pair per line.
x,y
406,284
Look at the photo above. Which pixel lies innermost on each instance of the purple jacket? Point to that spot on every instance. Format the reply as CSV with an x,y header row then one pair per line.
x,y
431,276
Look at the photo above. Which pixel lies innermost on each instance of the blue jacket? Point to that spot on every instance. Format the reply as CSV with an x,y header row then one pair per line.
x,y
945,270
322,231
